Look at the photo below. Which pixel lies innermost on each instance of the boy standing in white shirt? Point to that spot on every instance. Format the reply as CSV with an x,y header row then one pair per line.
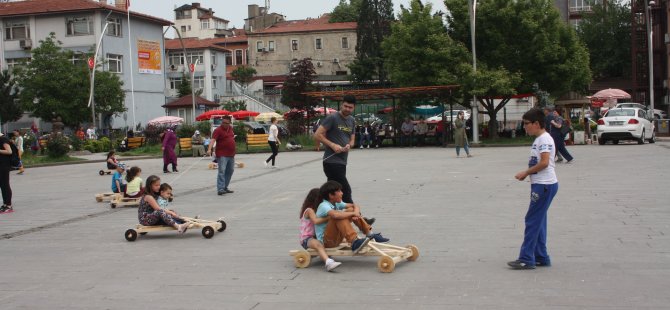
x,y
543,188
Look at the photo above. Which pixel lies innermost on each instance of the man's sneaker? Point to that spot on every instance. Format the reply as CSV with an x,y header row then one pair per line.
x,y
6,209
559,160
331,264
370,221
358,244
542,264
265,163
519,265
221,193
379,238
570,161
227,191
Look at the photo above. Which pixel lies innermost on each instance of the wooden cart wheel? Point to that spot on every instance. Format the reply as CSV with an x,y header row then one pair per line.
x,y
302,259
223,225
101,172
386,264
208,232
131,235
98,199
113,205
415,252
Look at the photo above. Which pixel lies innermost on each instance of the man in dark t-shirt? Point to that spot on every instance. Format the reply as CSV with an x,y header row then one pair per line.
x,y
337,134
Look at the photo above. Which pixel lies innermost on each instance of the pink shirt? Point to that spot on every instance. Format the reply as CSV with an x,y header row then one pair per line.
x,y
306,228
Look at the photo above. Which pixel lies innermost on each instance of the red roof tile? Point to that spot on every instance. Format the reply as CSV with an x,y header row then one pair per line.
x,y
307,25
45,7
195,43
186,101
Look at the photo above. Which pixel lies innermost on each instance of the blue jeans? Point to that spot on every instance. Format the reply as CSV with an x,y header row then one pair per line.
x,y
534,247
465,147
226,169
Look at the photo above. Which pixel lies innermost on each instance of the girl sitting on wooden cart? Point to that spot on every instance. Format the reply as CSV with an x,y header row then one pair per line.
x,y
112,162
150,212
307,233
134,187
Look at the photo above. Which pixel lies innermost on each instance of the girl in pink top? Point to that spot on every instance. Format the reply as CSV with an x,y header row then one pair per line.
x,y
307,220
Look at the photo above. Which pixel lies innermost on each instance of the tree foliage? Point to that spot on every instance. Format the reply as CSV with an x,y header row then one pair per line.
x,y
184,88
606,32
299,81
345,11
243,75
374,24
235,105
51,86
526,38
10,109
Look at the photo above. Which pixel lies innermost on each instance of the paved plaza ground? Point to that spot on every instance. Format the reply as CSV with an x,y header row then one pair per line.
x,y
609,235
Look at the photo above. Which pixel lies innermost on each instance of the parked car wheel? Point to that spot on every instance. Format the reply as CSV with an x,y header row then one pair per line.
x,y
641,140
653,138
602,141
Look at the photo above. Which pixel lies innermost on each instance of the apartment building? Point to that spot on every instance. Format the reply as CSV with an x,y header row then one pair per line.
x,y
78,24
194,21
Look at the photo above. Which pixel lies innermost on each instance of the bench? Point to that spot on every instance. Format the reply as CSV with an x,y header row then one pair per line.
x,y
135,142
185,144
257,139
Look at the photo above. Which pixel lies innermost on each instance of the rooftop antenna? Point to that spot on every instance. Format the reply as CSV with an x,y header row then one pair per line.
x,y
267,6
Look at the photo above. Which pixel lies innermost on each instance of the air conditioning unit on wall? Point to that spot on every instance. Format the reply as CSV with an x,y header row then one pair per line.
x,y
336,60
173,67
319,64
26,44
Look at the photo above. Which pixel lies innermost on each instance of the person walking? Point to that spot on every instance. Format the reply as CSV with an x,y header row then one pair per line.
x,y
18,141
5,167
543,188
548,118
169,156
559,136
337,134
223,142
460,136
273,141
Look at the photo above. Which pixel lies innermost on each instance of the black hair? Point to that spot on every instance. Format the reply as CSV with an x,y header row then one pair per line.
x,y
164,187
132,173
151,180
328,188
534,115
349,99
226,117
311,201
110,154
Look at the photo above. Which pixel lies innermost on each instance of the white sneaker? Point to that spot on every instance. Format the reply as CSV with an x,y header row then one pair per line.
x,y
265,163
331,264
368,146
361,146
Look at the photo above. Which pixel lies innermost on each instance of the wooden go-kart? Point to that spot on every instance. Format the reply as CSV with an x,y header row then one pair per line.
x,y
103,172
102,197
120,201
389,255
208,228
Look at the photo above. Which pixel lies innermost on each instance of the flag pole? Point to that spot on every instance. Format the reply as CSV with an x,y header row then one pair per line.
x,y
132,58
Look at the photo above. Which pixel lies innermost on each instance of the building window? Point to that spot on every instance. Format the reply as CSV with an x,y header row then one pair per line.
x,y
183,29
196,56
198,82
181,113
114,63
15,62
238,57
318,44
213,82
184,14
17,30
175,83
189,28
259,46
345,42
214,62
79,26
114,27
176,59
204,24
340,72
294,45
229,59
77,58
271,46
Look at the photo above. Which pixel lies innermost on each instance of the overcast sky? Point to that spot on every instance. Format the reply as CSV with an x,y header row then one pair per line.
x,y
236,10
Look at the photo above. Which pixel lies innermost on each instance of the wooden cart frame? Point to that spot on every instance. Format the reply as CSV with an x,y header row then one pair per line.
x,y
208,228
120,201
104,197
389,255
107,171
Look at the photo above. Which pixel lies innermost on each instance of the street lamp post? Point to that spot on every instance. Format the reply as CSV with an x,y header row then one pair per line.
x,y
650,47
472,7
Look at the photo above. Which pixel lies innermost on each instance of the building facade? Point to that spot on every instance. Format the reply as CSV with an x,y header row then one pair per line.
x,y
79,24
194,21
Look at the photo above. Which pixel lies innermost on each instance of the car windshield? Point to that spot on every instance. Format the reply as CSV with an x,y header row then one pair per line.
x,y
621,112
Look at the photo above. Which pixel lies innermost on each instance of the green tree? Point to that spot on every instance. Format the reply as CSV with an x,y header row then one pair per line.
x,y
607,35
374,24
346,11
526,38
299,81
51,85
184,88
243,75
10,109
235,105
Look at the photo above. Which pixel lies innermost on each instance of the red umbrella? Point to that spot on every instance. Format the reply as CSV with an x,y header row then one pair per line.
x,y
207,115
244,114
385,110
319,110
611,93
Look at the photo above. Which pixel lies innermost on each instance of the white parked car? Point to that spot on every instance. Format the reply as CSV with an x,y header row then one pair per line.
x,y
625,124
438,117
658,114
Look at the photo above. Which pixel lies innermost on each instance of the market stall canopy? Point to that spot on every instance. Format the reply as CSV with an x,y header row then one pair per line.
x,y
265,117
608,97
244,114
427,109
207,115
166,120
